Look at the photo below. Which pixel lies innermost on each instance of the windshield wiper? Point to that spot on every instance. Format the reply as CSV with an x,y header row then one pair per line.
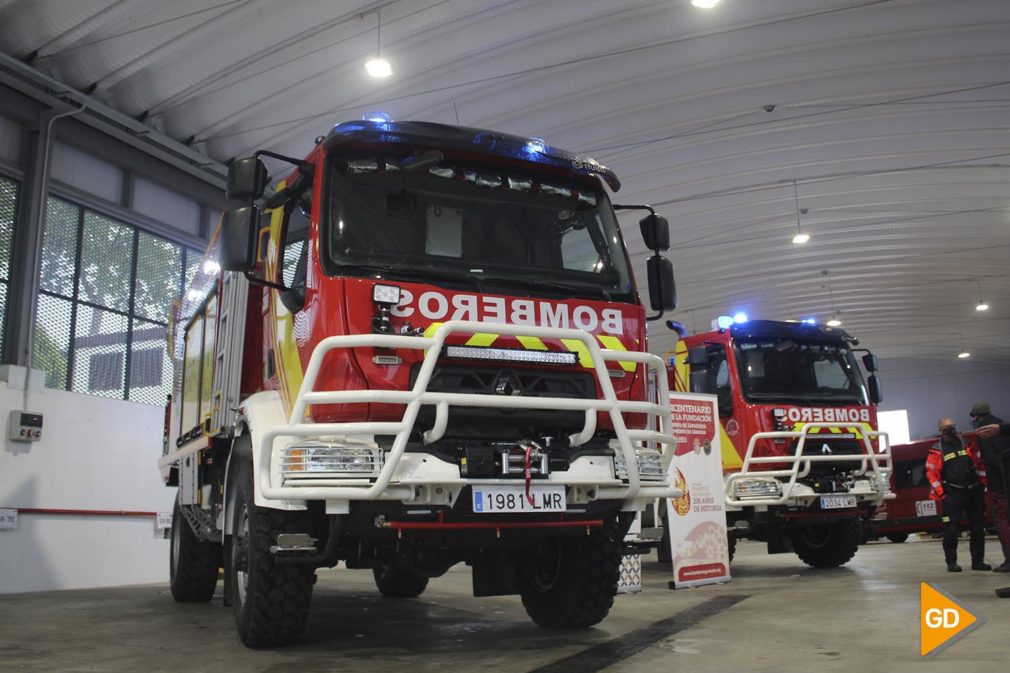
x,y
573,288
397,272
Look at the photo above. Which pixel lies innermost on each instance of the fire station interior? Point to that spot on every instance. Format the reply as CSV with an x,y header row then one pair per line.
x,y
833,178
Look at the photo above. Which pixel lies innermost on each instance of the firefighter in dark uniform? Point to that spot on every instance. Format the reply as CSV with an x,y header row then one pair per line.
x,y
956,476
996,456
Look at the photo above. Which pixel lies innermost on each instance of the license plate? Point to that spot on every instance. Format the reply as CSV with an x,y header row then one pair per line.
x,y
512,499
838,501
925,507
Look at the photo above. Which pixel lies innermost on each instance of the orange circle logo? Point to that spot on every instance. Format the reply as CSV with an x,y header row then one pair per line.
x,y
681,505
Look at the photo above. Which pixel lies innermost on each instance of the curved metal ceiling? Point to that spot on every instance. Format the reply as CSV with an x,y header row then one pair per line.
x,y
889,118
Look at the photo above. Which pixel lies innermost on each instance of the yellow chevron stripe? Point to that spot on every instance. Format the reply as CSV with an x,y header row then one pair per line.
x,y
532,343
430,330
614,344
579,348
481,339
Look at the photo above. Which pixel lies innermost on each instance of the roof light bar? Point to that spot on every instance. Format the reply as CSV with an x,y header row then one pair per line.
x,y
511,355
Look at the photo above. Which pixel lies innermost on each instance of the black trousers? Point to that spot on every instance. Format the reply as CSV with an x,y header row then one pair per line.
x,y
970,504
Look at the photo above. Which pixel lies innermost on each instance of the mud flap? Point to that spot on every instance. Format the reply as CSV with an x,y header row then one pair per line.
x,y
778,543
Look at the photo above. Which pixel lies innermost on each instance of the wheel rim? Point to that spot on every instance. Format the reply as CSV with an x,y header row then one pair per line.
x,y
546,565
817,536
240,555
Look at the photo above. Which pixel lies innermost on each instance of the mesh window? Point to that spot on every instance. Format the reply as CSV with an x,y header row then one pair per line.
x,y
193,258
3,313
59,247
8,202
150,366
99,352
106,262
52,340
159,264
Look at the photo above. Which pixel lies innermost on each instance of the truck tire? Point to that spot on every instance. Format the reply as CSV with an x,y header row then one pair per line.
x,y
399,580
828,545
193,563
570,582
271,601
898,538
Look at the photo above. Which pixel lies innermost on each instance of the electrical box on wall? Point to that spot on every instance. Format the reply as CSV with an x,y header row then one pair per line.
x,y
24,426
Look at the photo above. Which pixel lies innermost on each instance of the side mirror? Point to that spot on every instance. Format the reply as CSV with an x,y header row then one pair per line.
x,y
662,287
699,381
655,232
247,179
697,357
238,239
870,362
875,390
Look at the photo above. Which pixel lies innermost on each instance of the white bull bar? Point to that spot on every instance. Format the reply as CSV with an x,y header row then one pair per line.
x,y
270,479
799,466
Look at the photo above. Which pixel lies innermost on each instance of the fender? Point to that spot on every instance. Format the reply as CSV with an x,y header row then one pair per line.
x,y
258,413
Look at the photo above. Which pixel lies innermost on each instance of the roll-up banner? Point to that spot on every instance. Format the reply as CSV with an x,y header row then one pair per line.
x,y
699,546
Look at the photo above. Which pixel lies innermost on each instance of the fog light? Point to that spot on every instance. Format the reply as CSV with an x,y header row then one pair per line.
x,y
756,489
330,459
650,462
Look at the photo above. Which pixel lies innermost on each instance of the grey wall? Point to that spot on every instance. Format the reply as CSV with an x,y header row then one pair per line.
x,y
928,392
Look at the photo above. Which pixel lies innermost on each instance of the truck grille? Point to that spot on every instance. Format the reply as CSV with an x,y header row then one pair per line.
x,y
816,446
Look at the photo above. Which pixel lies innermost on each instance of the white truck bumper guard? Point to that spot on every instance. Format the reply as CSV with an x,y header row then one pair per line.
x,y
272,483
870,481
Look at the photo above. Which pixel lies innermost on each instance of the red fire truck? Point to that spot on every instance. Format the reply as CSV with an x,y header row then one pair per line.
x,y
804,466
424,348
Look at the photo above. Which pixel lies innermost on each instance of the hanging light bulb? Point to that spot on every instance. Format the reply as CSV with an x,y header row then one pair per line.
x,y
800,238
378,67
705,4
981,305
964,353
834,322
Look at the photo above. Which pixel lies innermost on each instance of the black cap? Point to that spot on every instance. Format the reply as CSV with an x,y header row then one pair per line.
x,y
980,409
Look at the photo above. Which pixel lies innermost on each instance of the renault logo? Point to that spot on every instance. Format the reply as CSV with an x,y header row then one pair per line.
x,y
508,383
826,450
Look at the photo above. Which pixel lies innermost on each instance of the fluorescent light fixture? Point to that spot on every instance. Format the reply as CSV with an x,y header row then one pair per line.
x,y
834,322
378,67
964,354
705,4
511,355
801,238
982,306
740,317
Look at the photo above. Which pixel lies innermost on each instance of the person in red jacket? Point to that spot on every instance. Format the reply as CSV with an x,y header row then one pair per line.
x,y
956,477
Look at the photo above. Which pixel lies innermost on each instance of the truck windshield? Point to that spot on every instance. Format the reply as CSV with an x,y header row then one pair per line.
x,y
788,370
485,228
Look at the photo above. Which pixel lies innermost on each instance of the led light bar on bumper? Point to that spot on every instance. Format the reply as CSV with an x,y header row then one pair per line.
x,y
511,355
756,489
330,459
650,463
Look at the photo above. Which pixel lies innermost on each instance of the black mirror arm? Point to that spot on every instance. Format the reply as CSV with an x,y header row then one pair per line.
x,y
618,206
256,280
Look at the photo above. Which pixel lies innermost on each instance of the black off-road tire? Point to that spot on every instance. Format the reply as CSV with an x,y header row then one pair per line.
x,y
399,580
193,563
271,601
570,582
898,538
828,545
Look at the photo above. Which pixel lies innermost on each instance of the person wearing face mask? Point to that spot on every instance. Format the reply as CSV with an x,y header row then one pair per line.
x,y
996,456
956,477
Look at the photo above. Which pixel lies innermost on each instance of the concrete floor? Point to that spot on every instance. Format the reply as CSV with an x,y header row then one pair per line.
x,y
776,615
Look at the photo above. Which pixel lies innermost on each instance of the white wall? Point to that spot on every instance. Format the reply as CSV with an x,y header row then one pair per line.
x,y
930,391
95,453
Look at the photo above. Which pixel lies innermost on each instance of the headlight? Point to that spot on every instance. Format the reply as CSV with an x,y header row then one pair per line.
x,y
756,489
330,459
650,462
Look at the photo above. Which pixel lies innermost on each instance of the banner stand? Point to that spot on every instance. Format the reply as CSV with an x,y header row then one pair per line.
x,y
696,521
